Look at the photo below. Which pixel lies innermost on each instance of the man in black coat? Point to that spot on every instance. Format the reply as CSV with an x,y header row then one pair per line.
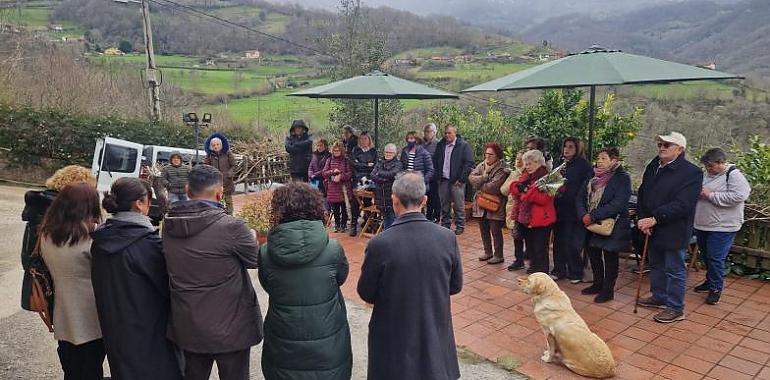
x,y
667,198
299,145
452,162
409,283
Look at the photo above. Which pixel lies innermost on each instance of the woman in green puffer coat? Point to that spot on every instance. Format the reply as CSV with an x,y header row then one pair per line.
x,y
306,328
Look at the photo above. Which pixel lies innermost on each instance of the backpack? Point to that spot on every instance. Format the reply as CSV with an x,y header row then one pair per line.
x,y
727,176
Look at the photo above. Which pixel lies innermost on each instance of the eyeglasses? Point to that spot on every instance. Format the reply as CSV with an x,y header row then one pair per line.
x,y
665,145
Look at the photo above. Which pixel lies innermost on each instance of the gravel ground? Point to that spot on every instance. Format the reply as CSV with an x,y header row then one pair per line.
x,y
28,351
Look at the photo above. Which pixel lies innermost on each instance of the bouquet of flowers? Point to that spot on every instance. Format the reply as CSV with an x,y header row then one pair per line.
x,y
552,182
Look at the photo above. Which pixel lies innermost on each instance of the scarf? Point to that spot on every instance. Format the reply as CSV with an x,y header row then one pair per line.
x,y
525,208
603,176
598,183
133,217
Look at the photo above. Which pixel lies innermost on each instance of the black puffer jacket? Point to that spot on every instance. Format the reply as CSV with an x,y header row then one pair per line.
x,y
306,328
363,163
383,175
614,204
35,205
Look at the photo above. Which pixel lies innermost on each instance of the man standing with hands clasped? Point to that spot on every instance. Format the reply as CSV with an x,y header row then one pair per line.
x,y
453,162
409,283
670,189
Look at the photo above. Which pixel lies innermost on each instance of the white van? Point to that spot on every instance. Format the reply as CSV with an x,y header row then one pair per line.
x,y
116,158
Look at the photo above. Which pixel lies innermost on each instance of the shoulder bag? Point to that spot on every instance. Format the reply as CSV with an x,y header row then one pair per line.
x,y
603,227
488,201
41,296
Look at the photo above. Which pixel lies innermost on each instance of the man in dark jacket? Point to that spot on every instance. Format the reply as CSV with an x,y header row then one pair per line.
x,y
410,332
667,198
299,145
215,315
452,162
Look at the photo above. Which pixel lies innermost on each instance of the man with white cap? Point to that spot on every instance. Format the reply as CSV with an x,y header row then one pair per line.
x,y
670,189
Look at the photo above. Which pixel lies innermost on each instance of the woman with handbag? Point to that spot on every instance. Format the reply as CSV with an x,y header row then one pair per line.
x,y
65,246
131,286
603,204
489,203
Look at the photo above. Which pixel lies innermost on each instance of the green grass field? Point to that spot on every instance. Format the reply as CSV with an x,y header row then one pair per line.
x,y
476,71
430,52
275,111
31,17
690,90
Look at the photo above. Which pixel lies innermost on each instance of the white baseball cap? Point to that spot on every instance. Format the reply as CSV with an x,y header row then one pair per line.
x,y
674,138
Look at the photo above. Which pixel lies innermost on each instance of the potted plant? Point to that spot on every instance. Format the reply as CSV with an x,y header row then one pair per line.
x,y
257,214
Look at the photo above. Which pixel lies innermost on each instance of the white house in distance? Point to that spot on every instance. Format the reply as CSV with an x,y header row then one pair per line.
x,y
251,54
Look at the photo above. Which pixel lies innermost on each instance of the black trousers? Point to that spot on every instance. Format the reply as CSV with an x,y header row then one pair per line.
x,y
492,231
567,250
231,365
82,361
519,255
537,248
433,208
604,265
340,213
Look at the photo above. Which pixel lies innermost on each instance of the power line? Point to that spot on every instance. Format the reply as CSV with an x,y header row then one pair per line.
x,y
193,11
245,27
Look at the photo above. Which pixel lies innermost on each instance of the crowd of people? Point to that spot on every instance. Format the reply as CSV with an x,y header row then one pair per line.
x,y
585,223
169,304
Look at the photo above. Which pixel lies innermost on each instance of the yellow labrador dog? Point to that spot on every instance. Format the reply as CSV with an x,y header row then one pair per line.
x,y
567,336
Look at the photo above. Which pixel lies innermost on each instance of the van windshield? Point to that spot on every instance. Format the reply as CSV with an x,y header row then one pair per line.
x,y
119,159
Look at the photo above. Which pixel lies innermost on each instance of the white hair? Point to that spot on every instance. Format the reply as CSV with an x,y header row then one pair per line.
x,y
390,146
535,156
430,127
215,139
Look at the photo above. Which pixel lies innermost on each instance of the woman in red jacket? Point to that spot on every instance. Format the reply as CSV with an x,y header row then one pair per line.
x,y
337,174
536,212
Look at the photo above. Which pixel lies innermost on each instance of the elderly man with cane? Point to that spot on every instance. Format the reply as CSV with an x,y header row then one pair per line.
x,y
670,189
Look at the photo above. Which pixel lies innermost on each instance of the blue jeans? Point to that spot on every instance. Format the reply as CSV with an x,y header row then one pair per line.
x,y
714,247
668,277
172,197
388,217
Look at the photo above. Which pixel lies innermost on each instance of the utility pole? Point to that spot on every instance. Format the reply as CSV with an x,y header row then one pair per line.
x,y
152,70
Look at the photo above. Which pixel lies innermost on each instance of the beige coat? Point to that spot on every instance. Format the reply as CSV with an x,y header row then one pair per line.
x,y
489,179
505,190
74,314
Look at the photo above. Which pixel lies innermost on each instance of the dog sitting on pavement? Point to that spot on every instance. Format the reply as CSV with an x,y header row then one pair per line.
x,y
568,338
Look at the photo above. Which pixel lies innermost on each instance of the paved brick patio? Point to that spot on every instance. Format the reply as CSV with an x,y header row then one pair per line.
x,y
729,341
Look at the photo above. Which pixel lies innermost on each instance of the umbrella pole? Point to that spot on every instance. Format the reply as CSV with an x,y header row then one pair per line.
x,y
376,122
591,122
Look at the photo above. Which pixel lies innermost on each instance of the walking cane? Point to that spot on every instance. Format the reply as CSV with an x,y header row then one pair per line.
x,y
641,271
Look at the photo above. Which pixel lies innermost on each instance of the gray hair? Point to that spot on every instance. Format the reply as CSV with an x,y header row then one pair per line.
x,y
409,188
535,156
215,139
430,127
389,147
714,156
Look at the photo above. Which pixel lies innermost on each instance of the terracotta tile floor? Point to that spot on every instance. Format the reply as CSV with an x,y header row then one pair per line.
x,y
492,318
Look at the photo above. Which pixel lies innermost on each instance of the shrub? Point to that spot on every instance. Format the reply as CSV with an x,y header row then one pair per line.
x,y
28,135
257,212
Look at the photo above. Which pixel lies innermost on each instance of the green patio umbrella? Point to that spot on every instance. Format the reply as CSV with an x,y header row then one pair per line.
x,y
375,85
599,67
